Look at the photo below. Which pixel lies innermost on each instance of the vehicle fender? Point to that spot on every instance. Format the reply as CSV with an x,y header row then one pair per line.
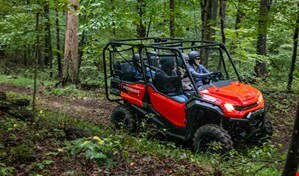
x,y
200,113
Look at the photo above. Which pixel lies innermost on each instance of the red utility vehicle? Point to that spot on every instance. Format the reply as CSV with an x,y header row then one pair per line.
x,y
223,110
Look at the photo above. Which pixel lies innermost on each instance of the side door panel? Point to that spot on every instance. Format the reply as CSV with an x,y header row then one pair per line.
x,y
133,93
170,109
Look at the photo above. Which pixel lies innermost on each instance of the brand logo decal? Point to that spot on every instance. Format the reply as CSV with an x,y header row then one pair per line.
x,y
131,89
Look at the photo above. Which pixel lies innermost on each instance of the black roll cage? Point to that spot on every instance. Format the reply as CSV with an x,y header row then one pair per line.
x,y
172,44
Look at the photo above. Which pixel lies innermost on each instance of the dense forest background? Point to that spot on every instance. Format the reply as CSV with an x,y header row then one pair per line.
x,y
260,34
51,48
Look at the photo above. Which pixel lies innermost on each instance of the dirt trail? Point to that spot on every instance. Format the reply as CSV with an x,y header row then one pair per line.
x,y
95,110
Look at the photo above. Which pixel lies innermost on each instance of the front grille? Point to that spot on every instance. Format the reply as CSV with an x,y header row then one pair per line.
x,y
242,108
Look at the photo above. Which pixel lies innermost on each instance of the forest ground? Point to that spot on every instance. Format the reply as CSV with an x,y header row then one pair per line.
x,y
96,110
281,109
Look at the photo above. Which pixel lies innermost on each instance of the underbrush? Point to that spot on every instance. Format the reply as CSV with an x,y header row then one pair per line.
x,y
50,148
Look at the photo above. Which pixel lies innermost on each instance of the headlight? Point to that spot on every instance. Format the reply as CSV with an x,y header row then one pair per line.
x,y
229,107
260,99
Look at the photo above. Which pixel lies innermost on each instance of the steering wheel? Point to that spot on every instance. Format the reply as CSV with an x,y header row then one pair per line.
x,y
213,76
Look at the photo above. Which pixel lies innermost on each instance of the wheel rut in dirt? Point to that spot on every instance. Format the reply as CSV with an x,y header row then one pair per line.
x,y
96,110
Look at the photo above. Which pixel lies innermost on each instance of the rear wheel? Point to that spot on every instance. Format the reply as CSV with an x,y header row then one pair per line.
x,y
212,138
123,118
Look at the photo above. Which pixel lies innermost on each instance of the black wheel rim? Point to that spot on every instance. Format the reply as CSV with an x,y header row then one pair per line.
x,y
128,124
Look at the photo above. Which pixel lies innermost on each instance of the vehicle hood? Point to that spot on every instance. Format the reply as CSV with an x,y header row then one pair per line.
x,y
234,92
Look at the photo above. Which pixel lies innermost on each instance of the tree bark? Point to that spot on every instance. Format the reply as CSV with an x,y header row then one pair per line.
x,y
141,30
208,18
113,23
172,18
38,54
239,16
292,160
59,66
81,45
222,13
48,41
294,56
2,54
71,60
260,67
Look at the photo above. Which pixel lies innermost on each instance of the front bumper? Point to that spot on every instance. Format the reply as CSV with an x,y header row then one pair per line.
x,y
251,125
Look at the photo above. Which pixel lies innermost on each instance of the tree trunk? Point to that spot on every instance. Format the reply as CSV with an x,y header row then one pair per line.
x,y
113,23
171,20
208,18
71,60
48,41
38,54
295,45
239,16
2,52
25,56
141,30
292,160
260,67
58,45
222,12
81,44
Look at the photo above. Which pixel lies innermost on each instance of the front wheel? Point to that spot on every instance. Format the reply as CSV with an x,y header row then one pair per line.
x,y
212,138
265,133
123,117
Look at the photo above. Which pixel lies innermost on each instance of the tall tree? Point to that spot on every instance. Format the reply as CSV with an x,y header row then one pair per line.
x,y
294,55
141,30
208,18
260,66
172,19
37,56
2,52
71,59
48,41
292,160
239,15
113,23
58,53
222,13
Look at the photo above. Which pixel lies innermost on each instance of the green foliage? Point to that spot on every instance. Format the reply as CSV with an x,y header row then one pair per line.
x,y
42,164
6,170
11,134
100,150
18,81
265,160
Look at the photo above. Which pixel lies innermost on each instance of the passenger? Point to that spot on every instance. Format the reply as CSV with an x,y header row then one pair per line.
x,y
186,82
197,70
154,59
168,82
136,71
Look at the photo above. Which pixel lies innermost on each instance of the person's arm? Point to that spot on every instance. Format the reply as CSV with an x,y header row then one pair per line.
x,y
198,75
150,73
203,68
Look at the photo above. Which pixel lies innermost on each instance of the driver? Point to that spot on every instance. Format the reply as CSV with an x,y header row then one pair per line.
x,y
198,71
